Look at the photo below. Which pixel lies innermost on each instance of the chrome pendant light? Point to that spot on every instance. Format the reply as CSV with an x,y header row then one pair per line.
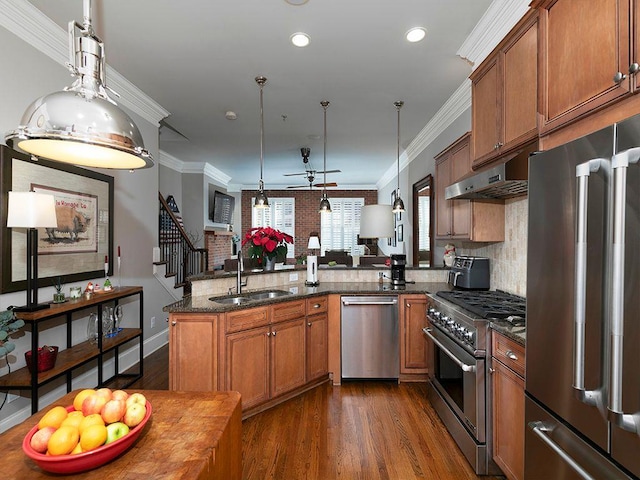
x,y
325,206
398,204
81,125
261,198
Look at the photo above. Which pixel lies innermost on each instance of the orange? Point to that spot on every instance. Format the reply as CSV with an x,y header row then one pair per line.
x,y
79,398
53,418
63,441
93,437
73,419
93,419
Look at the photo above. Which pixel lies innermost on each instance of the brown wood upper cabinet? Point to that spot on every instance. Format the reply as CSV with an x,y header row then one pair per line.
x,y
475,220
589,55
505,94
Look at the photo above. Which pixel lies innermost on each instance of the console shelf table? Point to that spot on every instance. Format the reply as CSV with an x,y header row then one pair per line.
x,y
81,353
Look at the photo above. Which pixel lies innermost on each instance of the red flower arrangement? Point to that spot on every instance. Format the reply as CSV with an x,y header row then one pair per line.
x,y
266,242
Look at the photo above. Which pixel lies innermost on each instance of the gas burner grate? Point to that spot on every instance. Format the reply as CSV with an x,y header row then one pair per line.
x,y
488,304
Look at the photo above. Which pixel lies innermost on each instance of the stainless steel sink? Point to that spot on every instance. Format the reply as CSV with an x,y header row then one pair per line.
x,y
265,295
249,297
229,300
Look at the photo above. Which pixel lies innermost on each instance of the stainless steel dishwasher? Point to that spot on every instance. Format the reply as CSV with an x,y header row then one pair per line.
x,y
369,337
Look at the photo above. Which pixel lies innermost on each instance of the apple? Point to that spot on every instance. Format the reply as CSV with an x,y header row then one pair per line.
x,y
79,398
93,404
136,398
134,414
119,395
104,392
113,411
115,431
40,439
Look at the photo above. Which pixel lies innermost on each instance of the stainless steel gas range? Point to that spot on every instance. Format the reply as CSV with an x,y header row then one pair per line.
x,y
458,330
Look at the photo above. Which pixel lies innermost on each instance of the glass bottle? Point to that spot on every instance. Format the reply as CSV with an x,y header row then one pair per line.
x,y
92,329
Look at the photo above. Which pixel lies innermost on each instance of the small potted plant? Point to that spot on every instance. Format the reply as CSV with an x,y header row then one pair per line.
x,y
58,297
8,325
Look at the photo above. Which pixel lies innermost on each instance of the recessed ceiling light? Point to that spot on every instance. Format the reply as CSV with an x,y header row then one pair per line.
x,y
416,34
296,2
300,39
230,115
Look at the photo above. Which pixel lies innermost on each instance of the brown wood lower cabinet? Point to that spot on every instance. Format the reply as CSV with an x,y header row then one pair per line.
x,y
193,352
508,406
413,346
266,353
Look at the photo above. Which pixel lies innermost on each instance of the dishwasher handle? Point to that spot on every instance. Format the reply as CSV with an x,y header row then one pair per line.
x,y
348,303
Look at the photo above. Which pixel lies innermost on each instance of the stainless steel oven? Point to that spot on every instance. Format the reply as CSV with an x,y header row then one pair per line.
x,y
458,330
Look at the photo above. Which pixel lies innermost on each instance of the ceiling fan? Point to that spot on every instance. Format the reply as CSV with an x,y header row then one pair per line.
x,y
310,174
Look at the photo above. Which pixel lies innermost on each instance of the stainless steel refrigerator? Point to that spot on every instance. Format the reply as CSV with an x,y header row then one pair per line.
x,y
582,405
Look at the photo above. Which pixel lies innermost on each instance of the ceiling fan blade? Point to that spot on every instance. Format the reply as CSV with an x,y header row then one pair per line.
x,y
329,184
292,174
298,186
330,171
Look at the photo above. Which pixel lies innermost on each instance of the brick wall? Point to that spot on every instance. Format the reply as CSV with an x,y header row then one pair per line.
x,y
307,203
219,248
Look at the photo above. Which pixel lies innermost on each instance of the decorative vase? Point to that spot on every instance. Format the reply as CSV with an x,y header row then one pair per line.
x,y
58,297
269,264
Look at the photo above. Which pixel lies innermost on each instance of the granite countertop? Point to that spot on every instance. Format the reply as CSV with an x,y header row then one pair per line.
x,y
516,333
202,303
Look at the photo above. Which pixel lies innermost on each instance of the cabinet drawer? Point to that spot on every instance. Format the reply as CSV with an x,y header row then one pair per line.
x,y
508,352
287,311
246,318
317,305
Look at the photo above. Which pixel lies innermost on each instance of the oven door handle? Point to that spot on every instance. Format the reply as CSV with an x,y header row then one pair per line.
x,y
450,354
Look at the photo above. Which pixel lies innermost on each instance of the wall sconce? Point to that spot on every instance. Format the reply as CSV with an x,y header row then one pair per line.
x,y
31,210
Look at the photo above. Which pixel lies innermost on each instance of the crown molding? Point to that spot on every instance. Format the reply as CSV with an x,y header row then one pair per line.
x,y
494,25
170,161
198,168
32,26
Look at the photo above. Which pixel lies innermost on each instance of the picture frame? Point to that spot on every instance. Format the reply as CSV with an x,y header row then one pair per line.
x,y
75,251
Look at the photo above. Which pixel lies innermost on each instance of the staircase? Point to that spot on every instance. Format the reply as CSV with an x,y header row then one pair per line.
x,y
177,253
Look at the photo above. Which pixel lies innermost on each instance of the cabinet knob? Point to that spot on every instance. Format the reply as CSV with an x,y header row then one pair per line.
x,y
173,322
491,370
268,334
274,333
317,305
408,305
500,144
308,324
633,68
618,77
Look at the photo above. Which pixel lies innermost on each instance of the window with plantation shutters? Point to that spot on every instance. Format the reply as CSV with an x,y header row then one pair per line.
x,y
340,228
424,210
280,215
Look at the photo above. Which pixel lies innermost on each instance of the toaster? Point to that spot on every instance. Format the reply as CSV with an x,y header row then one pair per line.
x,y
470,273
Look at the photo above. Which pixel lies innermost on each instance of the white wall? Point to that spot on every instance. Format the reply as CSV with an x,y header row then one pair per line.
x,y
27,75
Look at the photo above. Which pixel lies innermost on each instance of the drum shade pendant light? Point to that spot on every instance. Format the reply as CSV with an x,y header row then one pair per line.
x,y
398,204
81,125
261,198
325,206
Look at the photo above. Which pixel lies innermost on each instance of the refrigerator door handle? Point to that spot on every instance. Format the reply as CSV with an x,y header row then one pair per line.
x,y
620,164
539,429
583,171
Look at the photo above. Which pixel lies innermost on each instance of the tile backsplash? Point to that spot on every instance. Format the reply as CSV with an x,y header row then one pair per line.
x,y
508,258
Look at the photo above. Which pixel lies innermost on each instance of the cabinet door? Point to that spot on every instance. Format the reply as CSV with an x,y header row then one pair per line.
x,y
486,104
508,421
520,89
287,356
247,365
443,211
583,45
193,353
413,351
317,352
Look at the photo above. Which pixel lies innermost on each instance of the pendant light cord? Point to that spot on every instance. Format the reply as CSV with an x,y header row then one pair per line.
x,y
325,104
398,107
261,81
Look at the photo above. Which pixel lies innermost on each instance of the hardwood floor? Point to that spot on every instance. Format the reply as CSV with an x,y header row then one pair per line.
x,y
360,430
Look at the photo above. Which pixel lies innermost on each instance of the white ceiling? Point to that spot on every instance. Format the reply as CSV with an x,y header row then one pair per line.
x,y
198,59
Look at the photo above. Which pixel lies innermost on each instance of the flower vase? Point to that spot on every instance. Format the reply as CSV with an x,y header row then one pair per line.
x,y
269,264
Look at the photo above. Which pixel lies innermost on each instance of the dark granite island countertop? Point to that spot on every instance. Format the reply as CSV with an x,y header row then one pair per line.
x,y
202,303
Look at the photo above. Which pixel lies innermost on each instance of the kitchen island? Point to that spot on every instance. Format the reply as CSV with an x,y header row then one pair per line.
x,y
194,435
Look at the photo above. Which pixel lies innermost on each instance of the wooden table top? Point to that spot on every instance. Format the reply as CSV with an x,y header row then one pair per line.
x,y
179,440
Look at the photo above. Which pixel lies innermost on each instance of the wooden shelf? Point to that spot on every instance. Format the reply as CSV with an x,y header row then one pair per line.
x,y
74,356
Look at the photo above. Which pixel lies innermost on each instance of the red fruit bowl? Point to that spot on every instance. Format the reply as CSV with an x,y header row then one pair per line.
x,y
81,462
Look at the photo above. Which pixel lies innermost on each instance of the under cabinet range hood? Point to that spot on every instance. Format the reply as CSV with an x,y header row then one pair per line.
x,y
506,180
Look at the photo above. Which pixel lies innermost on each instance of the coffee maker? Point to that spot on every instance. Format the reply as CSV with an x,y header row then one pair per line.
x,y
398,262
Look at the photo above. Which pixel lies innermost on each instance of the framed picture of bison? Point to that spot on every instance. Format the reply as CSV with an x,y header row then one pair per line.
x,y
76,249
